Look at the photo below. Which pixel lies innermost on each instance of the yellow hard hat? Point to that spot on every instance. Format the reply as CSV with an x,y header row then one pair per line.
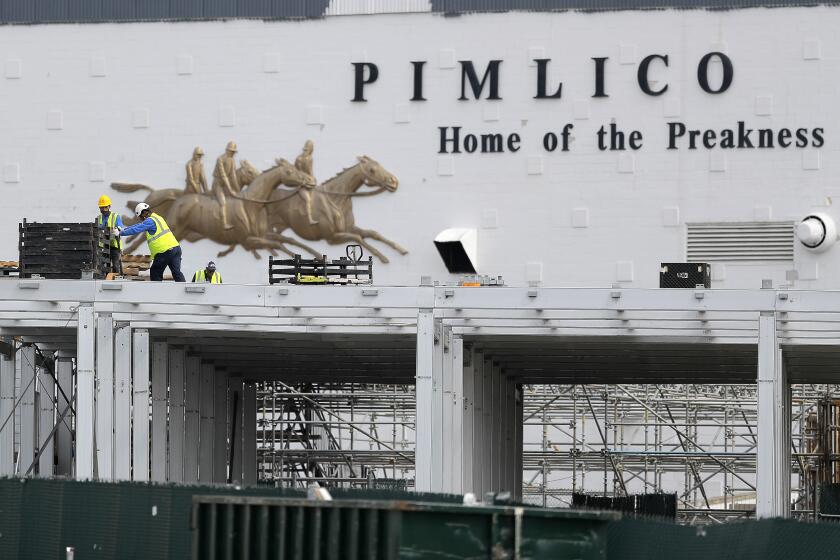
x,y
104,201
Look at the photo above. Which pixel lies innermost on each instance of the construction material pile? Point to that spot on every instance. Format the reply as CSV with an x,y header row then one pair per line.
x,y
9,268
63,250
136,267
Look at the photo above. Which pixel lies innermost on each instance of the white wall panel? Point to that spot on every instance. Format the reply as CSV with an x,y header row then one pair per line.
x,y
534,210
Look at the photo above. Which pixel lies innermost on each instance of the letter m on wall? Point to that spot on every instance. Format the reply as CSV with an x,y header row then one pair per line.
x,y
491,75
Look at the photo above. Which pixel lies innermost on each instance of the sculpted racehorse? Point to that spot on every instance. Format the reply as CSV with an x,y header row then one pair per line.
x,y
332,209
160,200
196,216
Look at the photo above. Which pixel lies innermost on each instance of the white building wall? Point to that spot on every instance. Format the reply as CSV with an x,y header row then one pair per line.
x,y
81,106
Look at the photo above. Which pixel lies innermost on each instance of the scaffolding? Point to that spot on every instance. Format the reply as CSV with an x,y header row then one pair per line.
x,y
698,441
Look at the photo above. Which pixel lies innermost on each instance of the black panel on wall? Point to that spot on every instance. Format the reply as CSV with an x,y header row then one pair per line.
x,y
455,6
46,11
52,10
153,9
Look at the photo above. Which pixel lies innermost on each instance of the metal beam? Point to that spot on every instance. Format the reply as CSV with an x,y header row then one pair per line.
x,y
176,414
424,395
207,423
63,437
7,414
249,434
46,422
235,415
85,392
220,426
122,403
773,452
159,374
140,366
105,396
192,397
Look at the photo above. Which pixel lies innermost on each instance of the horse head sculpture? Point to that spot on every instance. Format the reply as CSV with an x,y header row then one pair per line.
x,y
376,176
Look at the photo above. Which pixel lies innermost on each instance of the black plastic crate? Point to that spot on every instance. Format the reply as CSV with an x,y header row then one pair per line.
x,y
63,250
685,275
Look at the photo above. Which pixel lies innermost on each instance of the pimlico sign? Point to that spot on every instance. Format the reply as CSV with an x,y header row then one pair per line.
x,y
608,137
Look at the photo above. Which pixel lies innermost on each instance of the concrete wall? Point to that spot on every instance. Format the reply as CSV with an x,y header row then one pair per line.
x,y
81,106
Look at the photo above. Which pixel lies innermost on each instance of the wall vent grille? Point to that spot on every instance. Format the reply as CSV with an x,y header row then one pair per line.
x,y
739,241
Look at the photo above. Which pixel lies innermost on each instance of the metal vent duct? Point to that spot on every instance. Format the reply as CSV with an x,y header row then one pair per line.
x,y
740,241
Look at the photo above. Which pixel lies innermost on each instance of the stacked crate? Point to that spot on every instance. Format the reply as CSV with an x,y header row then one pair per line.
x,y
63,250
136,267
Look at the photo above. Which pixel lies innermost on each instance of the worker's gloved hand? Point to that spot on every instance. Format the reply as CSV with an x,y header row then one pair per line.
x,y
116,231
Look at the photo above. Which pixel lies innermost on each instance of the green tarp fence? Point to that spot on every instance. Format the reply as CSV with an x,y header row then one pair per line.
x,y
126,520
39,518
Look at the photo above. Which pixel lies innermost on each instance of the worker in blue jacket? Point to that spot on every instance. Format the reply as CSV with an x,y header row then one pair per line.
x,y
163,246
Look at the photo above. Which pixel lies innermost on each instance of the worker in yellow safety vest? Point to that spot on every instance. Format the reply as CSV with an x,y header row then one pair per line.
x,y
208,274
164,248
110,221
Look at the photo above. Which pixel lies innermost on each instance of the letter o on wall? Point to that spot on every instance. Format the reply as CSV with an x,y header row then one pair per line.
x,y
703,72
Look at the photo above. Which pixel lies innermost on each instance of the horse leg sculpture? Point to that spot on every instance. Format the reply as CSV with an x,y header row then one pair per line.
x,y
340,237
373,234
226,251
282,239
253,243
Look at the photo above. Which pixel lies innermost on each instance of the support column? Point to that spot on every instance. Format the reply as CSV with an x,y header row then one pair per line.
x,y
447,412
192,393
160,365
140,361
122,403
176,415
220,427
63,435
7,415
456,441
28,423
236,433
46,422
497,433
487,430
468,408
504,419
249,434
207,424
478,423
773,432
104,396
423,395
509,457
85,391
518,449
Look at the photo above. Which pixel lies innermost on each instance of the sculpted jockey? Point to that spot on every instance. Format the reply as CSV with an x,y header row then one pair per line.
x,y
225,182
196,181
304,164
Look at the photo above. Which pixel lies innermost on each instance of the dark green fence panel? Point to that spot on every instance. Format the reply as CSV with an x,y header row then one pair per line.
x,y
772,539
242,528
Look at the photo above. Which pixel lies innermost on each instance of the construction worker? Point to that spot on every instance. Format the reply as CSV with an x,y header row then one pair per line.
x,y
163,246
208,274
110,221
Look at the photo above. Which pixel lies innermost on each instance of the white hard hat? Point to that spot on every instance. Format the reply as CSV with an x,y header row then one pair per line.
x,y
140,207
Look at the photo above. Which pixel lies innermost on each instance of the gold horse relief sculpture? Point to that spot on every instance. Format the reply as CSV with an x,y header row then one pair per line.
x,y
262,212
